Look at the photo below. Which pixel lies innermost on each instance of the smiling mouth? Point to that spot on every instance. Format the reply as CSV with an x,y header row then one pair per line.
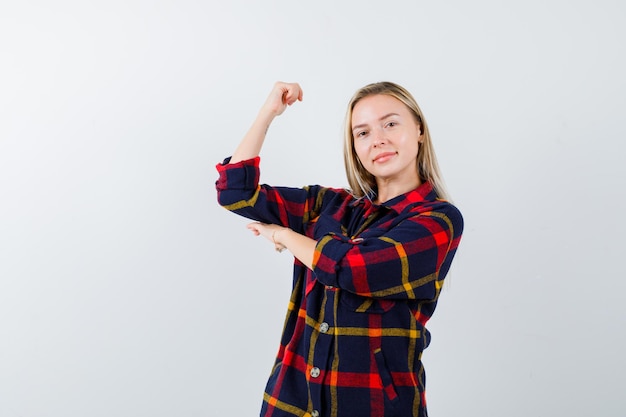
x,y
384,157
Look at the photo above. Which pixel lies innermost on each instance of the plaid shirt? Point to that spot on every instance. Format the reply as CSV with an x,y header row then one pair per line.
x,y
354,332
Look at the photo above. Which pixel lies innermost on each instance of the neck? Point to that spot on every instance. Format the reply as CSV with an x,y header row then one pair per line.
x,y
388,189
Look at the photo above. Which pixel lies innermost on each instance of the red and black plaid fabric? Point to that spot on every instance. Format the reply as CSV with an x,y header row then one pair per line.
x,y
355,326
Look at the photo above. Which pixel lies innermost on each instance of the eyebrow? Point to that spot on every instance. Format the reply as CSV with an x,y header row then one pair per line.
x,y
381,119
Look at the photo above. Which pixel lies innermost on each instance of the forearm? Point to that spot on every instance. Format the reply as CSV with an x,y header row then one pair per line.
x,y
251,144
281,96
301,246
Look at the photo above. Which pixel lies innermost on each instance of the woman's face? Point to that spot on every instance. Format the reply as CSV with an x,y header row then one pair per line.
x,y
386,138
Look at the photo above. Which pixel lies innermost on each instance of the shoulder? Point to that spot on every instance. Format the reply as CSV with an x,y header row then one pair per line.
x,y
441,210
329,193
320,198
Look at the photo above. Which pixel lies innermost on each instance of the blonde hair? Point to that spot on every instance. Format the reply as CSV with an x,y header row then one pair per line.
x,y
362,183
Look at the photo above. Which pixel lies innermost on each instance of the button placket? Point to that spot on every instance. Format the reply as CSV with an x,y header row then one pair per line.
x,y
322,354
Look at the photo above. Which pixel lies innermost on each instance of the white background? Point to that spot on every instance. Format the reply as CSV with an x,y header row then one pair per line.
x,y
125,290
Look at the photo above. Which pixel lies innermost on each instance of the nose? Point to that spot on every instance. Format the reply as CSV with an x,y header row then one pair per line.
x,y
379,138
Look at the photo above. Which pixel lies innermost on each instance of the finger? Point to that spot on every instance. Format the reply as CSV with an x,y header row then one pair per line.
x,y
254,228
287,95
294,92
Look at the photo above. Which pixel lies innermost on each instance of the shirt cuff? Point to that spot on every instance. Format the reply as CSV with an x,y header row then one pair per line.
x,y
240,175
329,253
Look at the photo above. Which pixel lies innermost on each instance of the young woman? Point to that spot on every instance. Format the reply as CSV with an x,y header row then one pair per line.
x,y
369,262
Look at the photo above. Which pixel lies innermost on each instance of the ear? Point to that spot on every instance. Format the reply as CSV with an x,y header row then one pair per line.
x,y
420,137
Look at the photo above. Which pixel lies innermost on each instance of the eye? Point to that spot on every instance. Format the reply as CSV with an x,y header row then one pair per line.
x,y
360,134
391,124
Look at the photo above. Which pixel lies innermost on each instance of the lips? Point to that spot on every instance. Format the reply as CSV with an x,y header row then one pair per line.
x,y
383,157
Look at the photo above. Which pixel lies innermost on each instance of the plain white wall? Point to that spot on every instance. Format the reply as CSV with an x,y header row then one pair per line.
x,y
126,291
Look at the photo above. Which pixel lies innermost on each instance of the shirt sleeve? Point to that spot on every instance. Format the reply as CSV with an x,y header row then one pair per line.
x,y
409,261
239,191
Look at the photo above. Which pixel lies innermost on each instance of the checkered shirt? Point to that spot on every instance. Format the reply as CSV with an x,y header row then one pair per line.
x,y
355,327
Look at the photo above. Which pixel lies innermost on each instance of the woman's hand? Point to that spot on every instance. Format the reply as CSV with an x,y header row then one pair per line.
x,y
270,232
282,95
301,246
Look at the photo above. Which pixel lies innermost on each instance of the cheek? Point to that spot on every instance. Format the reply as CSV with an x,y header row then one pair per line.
x,y
412,145
361,151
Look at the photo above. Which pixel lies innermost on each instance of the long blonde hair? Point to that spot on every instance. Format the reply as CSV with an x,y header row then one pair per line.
x,y
362,183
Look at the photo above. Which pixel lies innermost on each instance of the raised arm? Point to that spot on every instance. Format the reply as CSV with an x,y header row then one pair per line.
x,y
281,96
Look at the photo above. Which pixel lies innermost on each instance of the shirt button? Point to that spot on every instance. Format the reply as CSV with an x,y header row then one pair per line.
x,y
315,372
324,327
315,413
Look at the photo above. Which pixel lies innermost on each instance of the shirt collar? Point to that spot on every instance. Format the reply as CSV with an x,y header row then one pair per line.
x,y
422,194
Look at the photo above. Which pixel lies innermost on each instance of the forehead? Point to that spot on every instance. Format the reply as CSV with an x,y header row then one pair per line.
x,y
372,108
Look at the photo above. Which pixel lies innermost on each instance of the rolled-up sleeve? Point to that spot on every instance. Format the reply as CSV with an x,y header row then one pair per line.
x,y
239,191
237,184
